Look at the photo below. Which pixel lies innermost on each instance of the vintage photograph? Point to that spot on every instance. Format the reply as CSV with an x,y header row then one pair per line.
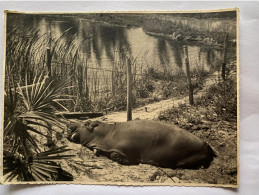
x,y
121,98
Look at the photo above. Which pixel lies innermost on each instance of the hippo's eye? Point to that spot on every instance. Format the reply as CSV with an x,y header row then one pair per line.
x,y
73,128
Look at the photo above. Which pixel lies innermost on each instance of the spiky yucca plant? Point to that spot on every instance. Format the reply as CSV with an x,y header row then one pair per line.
x,y
28,116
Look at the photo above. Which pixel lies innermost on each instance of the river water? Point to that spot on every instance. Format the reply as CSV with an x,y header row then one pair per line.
x,y
107,44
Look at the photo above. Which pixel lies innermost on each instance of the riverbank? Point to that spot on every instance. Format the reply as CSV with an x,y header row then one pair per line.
x,y
189,29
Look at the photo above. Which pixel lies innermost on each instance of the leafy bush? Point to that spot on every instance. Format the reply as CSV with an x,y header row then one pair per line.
x,y
223,98
144,87
28,117
218,102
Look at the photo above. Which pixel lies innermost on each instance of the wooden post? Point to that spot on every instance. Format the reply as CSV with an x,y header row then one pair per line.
x,y
113,78
129,91
224,58
50,143
86,85
49,62
189,81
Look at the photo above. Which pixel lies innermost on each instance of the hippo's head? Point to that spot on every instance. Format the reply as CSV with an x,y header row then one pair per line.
x,y
73,132
81,132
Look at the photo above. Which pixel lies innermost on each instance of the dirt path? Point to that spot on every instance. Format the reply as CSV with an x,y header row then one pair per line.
x,y
152,111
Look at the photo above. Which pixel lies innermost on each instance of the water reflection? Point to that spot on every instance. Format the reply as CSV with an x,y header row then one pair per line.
x,y
104,45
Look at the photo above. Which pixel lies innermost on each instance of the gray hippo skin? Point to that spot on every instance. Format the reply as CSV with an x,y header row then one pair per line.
x,y
143,141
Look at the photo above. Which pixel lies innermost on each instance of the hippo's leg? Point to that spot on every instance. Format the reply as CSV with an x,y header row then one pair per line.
x,y
115,156
97,152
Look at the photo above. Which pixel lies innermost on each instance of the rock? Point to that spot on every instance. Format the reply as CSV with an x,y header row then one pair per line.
x,y
157,177
168,180
179,37
205,122
199,38
188,126
204,127
174,35
154,176
188,38
223,133
172,180
162,117
196,127
176,180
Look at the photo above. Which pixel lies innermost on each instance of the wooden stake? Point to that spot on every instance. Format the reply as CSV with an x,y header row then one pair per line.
x,y
189,81
50,143
49,61
86,85
129,91
223,74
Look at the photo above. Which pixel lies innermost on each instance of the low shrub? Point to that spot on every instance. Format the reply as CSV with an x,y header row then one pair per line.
x,y
223,98
218,102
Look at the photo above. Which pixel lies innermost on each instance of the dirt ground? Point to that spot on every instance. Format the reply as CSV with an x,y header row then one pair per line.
x,y
221,135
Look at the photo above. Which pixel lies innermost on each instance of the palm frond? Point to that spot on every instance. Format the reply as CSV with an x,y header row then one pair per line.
x,y
37,167
46,94
10,97
41,117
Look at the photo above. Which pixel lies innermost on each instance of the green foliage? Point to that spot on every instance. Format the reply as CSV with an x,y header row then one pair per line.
x,y
26,54
168,23
223,98
183,115
218,102
27,118
112,102
152,73
144,86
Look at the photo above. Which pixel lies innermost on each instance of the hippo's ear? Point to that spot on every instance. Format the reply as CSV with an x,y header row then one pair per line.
x,y
90,125
87,123
95,124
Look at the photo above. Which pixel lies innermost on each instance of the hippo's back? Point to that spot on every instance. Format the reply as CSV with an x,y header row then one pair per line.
x,y
158,143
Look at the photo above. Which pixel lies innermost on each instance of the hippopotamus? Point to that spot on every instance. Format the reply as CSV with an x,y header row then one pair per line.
x,y
143,141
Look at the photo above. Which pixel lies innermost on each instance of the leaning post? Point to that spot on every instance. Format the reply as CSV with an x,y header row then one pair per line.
x,y
188,74
49,62
49,139
223,73
129,90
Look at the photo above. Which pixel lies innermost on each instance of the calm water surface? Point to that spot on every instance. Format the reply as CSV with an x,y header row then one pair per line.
x,y
108,44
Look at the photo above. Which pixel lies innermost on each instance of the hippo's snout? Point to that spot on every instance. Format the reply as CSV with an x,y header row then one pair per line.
x,y
75,137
